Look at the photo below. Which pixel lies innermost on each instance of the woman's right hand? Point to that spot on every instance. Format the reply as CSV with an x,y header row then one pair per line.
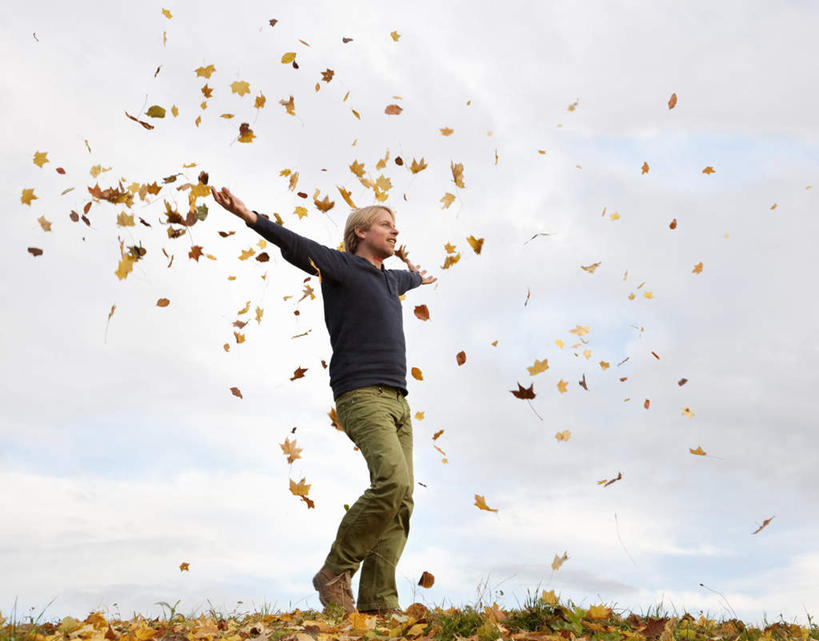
x,y
233,204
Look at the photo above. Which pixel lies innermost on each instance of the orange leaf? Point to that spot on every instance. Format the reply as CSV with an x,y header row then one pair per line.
x,y
460,357
236,392
421,312
481,503
416,374
426,580
393,110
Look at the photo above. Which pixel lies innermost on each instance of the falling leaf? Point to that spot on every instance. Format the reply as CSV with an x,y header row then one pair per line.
x,y
45,224
699,451
460,358
416,374
481,503
562,386
40,158
764,523
582,382
346,196
240,86
421,312
590,268
687,412
288,57
538,367
446,131
417,166
672,101
437,434
301,489
290,450
645,168
236,392
708,170
646,403
682,381
289,106
697,268
298,373
524,392
475,243
395,35
301,212
35,251
155,111
147,125
448,199
205,72
457,173
167,14
559,560
565,435
28,196
334,419
393,110
426,580
606,483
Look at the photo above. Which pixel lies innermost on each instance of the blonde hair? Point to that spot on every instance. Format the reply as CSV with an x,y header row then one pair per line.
x,y
362,217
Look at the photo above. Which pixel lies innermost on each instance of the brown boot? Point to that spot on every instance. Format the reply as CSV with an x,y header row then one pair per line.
x,y
334,588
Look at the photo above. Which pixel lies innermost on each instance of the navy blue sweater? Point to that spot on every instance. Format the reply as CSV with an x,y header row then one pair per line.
x,y
361,309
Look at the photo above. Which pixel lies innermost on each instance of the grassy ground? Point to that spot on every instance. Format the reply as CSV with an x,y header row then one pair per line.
x,y
540,618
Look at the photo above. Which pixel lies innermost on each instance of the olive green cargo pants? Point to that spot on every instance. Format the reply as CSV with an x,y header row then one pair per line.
x,y
375,528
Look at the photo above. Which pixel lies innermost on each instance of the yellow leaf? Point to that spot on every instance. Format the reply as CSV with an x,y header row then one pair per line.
x,y
290,450
645,168
346,196
240,86
446,131
124,220
687,412
300,211
395,35
565,435
96,170
708,170
448,199
245,309
204,72
289,105
481,503
288,57
28,196
648,295
155,111
226,116
457,174
174,111
126,263
559,560
699,451
449,261
450,248
46,225
417,166
240,338
167,14
590,268
40,158
614,216
357,168
538,367
299,489
561,386
559,343
419,416
383,183
580,330
293,181
549,597
382,162
604,365
599,612
697,268
247,253
475,243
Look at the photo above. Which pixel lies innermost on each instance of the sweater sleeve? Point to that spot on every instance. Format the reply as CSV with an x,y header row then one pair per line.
x,y
406,280
299,250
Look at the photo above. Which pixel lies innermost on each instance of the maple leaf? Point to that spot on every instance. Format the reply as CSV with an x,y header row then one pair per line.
x,y
240,87
538,367
697,268
325,204
298,373
562,385
457,173
421,312
672,101
207,92
357,168
580,330
346,196
481,503
301,489
764,523
392,110
426,580
417,374
606,483
289,105
460,357
450,248
126,263
699,451
475,243
451,260
417,166
565,435
524,392
334,419
205,72
290,450
28,196
447,199
40,158
245,133
327,75
708,170
446,131
301,212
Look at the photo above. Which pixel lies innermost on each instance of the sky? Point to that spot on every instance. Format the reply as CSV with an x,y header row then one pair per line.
x,y
123,452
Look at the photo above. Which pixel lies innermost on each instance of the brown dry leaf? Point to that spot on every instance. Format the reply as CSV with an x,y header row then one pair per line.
x,y
673,224
447,199
437,434
421,312
427,580
672,101
644,168
289,105
325,204
298,373
417,166
764,523
417,374
236,392
646,403
481,503
184,566
290,450
393,110
606,483
524,392
475,243
460,358
45,224
334,419
301,489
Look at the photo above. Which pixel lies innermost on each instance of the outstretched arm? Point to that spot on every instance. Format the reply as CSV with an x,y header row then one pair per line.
x,y
403,254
